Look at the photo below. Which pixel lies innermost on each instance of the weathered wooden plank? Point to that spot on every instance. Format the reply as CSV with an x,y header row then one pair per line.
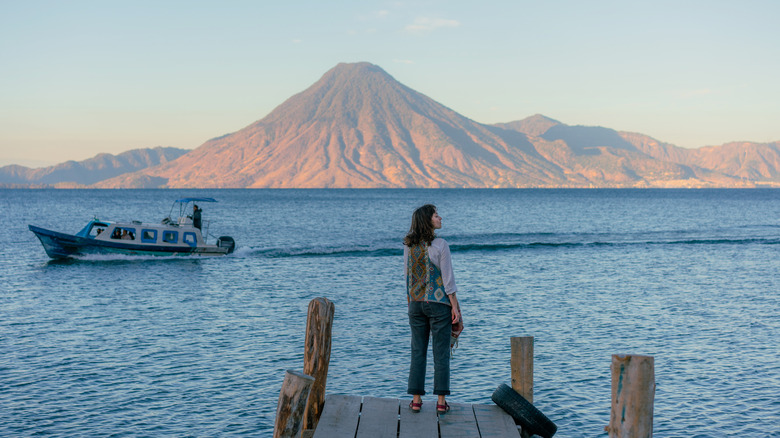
x,y
493,422
422,424
459,422
381,417
378,418
339,417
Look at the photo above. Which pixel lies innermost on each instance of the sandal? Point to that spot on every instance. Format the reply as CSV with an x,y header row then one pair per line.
x,y
415,407
443,409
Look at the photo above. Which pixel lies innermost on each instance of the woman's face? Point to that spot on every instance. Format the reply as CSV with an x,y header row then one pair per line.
x,y
436,220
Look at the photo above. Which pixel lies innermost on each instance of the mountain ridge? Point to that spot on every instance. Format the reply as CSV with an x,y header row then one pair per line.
x,y
359,127
86,172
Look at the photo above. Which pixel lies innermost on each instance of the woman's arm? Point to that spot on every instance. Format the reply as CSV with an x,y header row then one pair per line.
x,y
443,260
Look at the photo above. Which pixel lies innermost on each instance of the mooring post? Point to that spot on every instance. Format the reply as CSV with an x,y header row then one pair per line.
x,y
523,366
633,395
292,403
316,356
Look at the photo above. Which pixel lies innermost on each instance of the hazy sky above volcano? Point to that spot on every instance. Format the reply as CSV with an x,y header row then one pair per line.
x,y
83,77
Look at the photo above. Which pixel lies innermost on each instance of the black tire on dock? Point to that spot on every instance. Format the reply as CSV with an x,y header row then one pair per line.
x,y
531,419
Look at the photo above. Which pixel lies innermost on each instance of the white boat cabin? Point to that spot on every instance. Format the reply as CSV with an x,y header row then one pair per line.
x,y
136,232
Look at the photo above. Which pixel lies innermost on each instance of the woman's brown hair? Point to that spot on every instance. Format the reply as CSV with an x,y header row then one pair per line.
x,y
422,227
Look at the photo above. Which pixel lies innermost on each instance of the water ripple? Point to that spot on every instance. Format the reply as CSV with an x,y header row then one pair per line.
x,y
198,347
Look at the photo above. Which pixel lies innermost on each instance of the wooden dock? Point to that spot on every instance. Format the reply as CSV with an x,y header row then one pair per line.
x,y
371,417
304,411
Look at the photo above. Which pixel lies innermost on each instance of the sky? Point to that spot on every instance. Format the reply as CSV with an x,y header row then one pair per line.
x,y
79,78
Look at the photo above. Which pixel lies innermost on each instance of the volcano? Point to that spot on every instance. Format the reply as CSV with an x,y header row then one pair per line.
x,y
357,127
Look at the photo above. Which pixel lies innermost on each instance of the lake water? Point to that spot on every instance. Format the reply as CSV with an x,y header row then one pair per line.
x,y
127,346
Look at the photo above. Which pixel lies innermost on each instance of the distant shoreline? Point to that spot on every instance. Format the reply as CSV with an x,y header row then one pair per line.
x,y
755,186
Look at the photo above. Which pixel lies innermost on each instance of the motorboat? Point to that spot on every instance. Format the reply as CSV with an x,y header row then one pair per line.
x,y
173,236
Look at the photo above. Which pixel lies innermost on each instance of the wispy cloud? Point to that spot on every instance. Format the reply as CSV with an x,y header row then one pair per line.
x,y
425,24
373,15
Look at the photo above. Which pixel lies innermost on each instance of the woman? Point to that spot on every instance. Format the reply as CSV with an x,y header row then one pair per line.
x,y
433,305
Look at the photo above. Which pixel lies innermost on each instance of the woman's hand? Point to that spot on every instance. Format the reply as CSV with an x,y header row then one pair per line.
x,y
455,307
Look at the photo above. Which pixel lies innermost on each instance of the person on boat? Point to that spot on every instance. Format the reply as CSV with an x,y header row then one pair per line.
x,y
125,235
433,305
196,219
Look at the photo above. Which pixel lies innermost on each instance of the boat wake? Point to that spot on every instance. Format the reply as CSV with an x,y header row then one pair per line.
x,y
508,242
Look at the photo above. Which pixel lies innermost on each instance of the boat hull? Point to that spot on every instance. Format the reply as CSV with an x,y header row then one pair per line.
x,y
61,245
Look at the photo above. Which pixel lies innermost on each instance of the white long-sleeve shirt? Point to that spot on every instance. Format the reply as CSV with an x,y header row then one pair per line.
x,y
439,253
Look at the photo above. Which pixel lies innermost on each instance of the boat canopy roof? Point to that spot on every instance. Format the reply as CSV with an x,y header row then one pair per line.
x,y
186,200
183,204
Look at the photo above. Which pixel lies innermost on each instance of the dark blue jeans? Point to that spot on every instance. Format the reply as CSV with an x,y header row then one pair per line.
x,y
430,320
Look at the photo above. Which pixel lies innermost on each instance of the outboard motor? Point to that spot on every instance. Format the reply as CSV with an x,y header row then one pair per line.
x,y
226,242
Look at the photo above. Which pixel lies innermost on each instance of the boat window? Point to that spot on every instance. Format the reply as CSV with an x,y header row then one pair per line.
x,y
123,233
170,236
97,229
190,239
149,236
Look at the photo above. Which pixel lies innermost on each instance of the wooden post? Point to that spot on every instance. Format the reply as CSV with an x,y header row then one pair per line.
x,y
292,403
523,366
633,395
316,357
